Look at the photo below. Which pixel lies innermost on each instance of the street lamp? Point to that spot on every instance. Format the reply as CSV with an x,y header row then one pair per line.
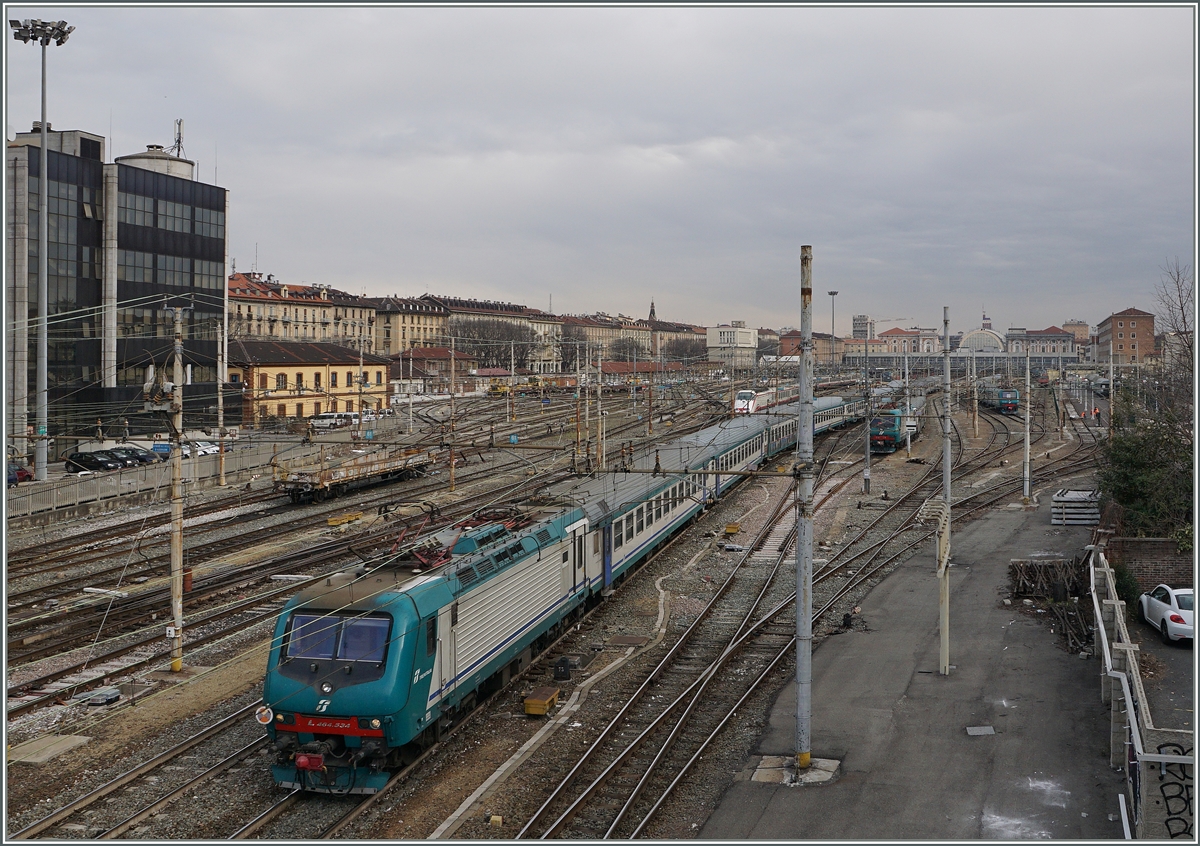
x,y
42,32
832,326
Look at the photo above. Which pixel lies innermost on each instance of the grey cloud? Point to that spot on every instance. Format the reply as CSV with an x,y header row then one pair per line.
x,y
1036,160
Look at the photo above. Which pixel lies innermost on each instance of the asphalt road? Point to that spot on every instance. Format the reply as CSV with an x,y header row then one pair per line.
x,y
909,768
1168,676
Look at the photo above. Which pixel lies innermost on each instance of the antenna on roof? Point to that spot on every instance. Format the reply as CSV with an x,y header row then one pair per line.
x,y
177,149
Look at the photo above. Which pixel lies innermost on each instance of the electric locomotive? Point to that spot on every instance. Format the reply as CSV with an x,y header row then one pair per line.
x,y
373,664
995,395
890,426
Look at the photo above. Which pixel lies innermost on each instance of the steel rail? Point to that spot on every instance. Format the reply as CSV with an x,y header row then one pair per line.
x,y
105,789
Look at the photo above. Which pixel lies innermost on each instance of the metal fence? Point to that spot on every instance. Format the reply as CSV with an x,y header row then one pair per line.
x,y
1159,763
154,480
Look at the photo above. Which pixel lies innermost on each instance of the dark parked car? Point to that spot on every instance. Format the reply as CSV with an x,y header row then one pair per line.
x,y
77,462
141,456
124,461
17,474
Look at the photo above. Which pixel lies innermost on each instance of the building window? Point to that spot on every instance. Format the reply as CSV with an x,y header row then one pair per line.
x,y
333,378
1133,346
1120,346
174,217
134,267
1132,324
175,271
317,381
281,411
349,379
299,380
1133,334
280,381
1121,323
1120,334
209,275
210,223
299,409
378,377
316,408
134,209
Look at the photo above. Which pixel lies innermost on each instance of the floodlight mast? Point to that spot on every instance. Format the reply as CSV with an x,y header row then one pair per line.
x,y
42,32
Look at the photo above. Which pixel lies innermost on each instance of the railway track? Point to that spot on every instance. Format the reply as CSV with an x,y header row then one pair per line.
x,y
637,761
92,669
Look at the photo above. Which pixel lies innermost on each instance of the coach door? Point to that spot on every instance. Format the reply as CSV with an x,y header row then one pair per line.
x,y
607,548
574,572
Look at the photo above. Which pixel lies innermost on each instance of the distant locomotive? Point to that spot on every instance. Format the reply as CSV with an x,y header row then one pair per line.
x,y
891,426
751,402
994,394
377,662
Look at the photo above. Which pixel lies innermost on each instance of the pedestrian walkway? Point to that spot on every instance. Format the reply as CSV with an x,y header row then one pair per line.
x,y
1034,764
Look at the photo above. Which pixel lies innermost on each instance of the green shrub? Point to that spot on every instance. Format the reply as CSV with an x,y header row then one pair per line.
x,y
1128,589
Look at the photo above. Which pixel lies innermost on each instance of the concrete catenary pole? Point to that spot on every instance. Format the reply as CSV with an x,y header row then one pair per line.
x,y
221,404
974,399
452,356
177,498
804,522
1028,405
944,581
867,434
1112,383
512,381
907,411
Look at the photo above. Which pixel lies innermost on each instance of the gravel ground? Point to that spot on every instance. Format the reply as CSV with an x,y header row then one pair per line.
x,y
690,568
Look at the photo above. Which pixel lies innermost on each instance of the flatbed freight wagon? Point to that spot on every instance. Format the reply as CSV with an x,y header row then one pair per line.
x,y
334,473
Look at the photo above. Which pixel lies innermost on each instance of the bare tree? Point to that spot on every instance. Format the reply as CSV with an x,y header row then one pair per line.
x,y
1175,295
687,350
573,339
493,342
626,349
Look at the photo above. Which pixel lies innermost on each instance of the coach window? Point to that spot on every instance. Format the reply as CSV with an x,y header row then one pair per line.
x,y
629,526
641,524
618,537
658,507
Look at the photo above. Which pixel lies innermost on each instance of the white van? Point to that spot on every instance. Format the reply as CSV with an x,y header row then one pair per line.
x,y
334,420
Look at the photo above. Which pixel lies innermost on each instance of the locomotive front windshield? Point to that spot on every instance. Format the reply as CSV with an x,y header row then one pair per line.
x,y
323,636
745,395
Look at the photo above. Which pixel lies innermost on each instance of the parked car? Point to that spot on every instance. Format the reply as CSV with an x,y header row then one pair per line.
x,y
205,448
1169,610
142,456
17,473
78,462
124,461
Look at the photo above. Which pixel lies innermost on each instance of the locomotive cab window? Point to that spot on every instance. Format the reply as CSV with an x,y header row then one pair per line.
x,y
316,636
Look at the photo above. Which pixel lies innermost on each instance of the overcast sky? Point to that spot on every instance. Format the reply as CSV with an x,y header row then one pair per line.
x,y
1038,162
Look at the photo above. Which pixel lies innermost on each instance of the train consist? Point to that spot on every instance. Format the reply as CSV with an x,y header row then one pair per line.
x,y
377,662
994,394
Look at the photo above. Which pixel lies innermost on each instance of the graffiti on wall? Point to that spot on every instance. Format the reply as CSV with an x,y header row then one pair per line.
x,y
1176,786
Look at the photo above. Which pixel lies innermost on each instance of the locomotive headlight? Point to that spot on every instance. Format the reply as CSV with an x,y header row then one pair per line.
x,y
326,687
375,723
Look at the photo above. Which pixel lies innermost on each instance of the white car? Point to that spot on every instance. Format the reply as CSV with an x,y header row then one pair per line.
x,y
1169,610
205,448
